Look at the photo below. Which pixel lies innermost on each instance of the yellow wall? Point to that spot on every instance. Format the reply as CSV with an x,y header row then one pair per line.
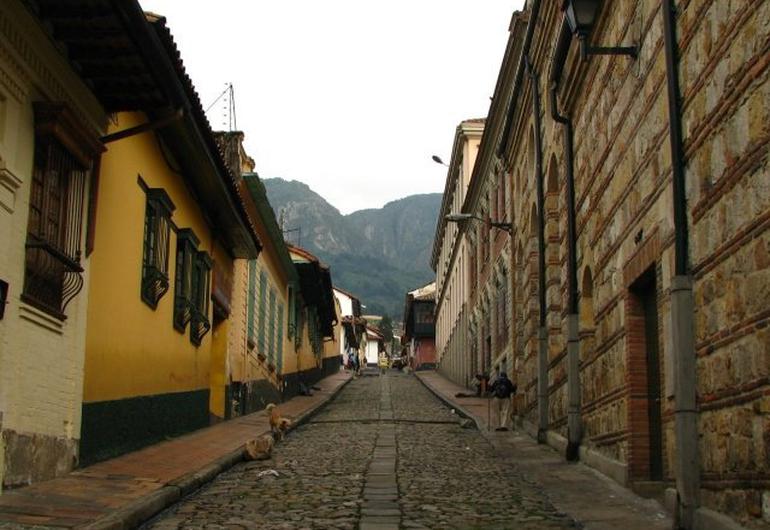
x,y
245,365
131,349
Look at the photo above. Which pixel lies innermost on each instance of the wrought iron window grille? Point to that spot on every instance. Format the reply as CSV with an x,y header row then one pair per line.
x,y
157,230
63,157
200,324
186,253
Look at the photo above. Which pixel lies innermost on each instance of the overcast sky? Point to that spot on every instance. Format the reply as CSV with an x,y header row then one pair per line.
x,y
351,97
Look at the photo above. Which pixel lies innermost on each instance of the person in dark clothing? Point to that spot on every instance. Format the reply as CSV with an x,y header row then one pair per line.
x,y
501,390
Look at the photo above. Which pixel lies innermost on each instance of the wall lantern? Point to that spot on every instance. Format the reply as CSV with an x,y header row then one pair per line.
x,y
462,217
581,15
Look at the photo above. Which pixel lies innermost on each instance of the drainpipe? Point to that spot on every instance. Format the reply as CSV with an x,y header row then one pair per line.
x,y
542,330
682,308
574,427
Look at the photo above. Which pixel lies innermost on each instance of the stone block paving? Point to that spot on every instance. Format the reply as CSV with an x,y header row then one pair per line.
x,y
126,490
384,454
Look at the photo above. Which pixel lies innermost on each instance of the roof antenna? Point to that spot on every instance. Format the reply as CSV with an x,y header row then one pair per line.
x,y
228,107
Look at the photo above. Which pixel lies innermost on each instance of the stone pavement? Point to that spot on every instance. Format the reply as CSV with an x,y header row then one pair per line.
x,y
596,501
384,454
124,491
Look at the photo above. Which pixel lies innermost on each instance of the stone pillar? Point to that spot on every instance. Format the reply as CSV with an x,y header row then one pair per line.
x,y
542,384
574,427
687,465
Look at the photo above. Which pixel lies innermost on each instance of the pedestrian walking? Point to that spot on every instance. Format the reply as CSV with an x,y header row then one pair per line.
x,y
502,389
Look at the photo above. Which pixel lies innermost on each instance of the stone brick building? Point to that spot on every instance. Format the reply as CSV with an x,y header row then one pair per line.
x,y
639,270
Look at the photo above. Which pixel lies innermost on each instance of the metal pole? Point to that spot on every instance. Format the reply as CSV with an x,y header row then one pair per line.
x,y
489,413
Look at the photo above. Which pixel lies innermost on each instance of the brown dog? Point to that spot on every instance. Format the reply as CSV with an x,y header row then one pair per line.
x,y
260,448
278,424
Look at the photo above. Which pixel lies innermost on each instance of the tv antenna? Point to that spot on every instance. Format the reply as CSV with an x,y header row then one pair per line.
x,y
228,107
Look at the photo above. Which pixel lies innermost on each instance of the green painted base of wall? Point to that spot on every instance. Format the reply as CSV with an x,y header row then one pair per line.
x,y
330,365
111,428
252,396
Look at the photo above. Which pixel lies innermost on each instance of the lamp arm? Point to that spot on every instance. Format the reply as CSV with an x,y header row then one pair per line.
x,y
586,50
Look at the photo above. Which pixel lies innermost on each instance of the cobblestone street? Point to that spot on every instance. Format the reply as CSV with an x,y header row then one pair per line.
x,y
385,453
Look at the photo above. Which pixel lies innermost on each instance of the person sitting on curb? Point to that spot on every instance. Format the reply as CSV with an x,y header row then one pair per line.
x,y
501,390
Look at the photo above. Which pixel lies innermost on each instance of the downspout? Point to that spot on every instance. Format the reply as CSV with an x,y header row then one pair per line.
x,y
542,330
682,307
574,427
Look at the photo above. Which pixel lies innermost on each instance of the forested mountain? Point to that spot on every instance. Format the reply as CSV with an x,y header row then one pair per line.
x,y
377,254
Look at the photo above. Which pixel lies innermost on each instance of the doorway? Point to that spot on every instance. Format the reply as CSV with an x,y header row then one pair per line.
x,y
643,339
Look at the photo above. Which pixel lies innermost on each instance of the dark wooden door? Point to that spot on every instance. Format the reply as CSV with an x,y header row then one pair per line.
x,y
647,292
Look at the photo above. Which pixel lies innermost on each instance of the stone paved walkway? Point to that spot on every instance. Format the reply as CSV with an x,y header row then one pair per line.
x,y
590,497
124,491
384,454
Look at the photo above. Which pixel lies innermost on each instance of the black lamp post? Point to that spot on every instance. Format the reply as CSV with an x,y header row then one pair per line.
x,y
581,15
461,217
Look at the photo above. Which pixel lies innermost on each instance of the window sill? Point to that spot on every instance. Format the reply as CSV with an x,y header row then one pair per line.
x,y
49,311
40,318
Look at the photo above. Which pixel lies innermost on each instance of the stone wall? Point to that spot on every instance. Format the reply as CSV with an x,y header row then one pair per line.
x,y
725,48
625,236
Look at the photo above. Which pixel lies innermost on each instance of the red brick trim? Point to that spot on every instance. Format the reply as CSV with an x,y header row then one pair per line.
x,y
636,360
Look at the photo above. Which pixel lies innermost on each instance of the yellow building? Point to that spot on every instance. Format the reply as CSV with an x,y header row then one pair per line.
x,y
168,226
269,346
318,352
50,128
262,337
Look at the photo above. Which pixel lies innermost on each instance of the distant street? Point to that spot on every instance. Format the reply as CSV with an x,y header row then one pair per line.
x,y
385,453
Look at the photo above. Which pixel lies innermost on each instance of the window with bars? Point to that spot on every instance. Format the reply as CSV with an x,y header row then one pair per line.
x,y
279,340
291,320
261,324
186,255
63,156
250,304
271,328
201,289
157,229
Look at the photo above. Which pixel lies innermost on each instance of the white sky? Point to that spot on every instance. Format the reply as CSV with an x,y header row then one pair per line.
x,y
351,97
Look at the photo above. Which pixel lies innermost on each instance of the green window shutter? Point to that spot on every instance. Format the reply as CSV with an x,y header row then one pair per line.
x,y
262,303
271,328
279,341
290,313
252,296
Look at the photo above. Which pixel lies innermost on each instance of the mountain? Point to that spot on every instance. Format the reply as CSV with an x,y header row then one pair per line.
x,y
377,254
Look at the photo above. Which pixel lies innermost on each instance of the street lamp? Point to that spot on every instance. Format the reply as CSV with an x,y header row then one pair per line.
x,y
437,159
581,15
462,217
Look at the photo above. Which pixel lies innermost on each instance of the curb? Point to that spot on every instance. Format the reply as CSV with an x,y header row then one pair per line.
x,y
462,411
145,508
